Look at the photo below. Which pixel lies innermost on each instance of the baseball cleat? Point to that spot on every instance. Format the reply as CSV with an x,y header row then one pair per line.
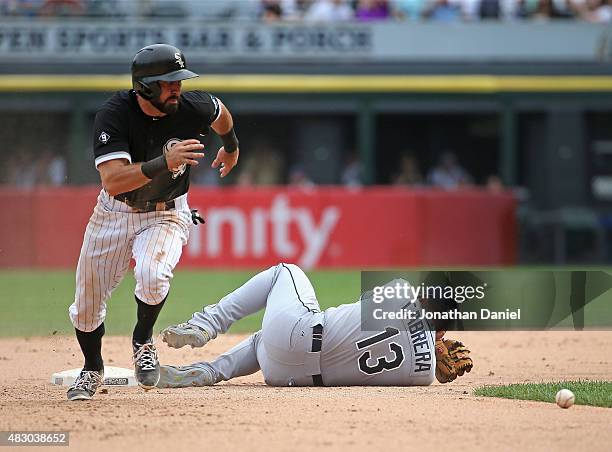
x,y
177,336
86,384
146,364
185,376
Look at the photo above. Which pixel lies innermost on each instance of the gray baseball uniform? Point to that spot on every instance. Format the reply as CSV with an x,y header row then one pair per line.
x,y
402,354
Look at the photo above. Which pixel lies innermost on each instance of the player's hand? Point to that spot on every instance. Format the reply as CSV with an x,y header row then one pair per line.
x,y
184,152
225,161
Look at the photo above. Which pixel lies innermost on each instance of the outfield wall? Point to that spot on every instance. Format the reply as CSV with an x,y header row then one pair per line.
x,y
255,227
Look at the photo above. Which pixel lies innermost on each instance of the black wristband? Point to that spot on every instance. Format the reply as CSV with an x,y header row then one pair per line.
x,y
230,141
154,167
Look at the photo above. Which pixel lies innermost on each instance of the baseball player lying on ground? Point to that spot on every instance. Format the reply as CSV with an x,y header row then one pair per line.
x,y
299,345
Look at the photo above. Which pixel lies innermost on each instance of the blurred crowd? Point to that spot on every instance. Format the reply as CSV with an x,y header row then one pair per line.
x,y
317,11
30,169
263,165
267,165
447,174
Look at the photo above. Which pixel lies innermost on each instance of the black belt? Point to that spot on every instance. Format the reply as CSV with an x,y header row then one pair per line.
x,y
148,206
317,341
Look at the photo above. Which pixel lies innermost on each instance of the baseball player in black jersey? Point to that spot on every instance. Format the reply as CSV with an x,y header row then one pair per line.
x,y
145,141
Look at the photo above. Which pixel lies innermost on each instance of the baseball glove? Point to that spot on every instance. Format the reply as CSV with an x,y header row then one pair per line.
x,y
452,360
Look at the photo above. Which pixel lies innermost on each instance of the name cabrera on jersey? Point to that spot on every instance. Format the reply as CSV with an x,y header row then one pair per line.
x,y
123,131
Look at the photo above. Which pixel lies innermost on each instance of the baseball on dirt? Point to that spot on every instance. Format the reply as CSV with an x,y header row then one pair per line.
x,y
565,398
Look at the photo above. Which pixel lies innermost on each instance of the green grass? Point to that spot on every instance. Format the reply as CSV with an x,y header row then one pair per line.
x,y
36,302
594,393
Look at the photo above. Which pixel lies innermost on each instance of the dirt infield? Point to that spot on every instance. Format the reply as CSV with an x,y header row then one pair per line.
x,y
246,415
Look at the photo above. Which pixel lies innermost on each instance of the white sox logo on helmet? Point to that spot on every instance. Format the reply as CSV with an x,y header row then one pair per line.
x,y
178,171
179,60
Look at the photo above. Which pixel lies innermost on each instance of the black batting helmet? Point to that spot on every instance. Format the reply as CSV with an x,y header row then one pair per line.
x,y
158,62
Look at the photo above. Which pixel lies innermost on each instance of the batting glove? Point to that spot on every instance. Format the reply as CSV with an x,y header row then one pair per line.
x,y
196,218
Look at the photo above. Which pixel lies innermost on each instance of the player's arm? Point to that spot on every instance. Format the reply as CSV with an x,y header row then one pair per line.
x,y
227,157
120,176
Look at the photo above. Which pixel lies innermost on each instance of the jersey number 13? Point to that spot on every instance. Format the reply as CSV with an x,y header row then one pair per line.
x,y
381,364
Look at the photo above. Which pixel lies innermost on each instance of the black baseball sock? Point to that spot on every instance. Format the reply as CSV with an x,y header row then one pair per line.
x,y
91,346
146,315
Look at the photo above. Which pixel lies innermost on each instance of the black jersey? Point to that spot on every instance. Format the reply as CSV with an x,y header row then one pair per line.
x,y
122,130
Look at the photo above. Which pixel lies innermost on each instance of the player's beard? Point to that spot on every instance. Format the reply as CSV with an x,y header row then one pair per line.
x,y
165,107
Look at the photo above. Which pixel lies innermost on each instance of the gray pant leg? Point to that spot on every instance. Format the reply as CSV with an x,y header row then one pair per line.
x,y
290,302
246,300
284,350
283,289
238,361
291,295
291,298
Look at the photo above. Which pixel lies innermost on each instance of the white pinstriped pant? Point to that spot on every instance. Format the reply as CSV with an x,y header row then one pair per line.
x,y
114,234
